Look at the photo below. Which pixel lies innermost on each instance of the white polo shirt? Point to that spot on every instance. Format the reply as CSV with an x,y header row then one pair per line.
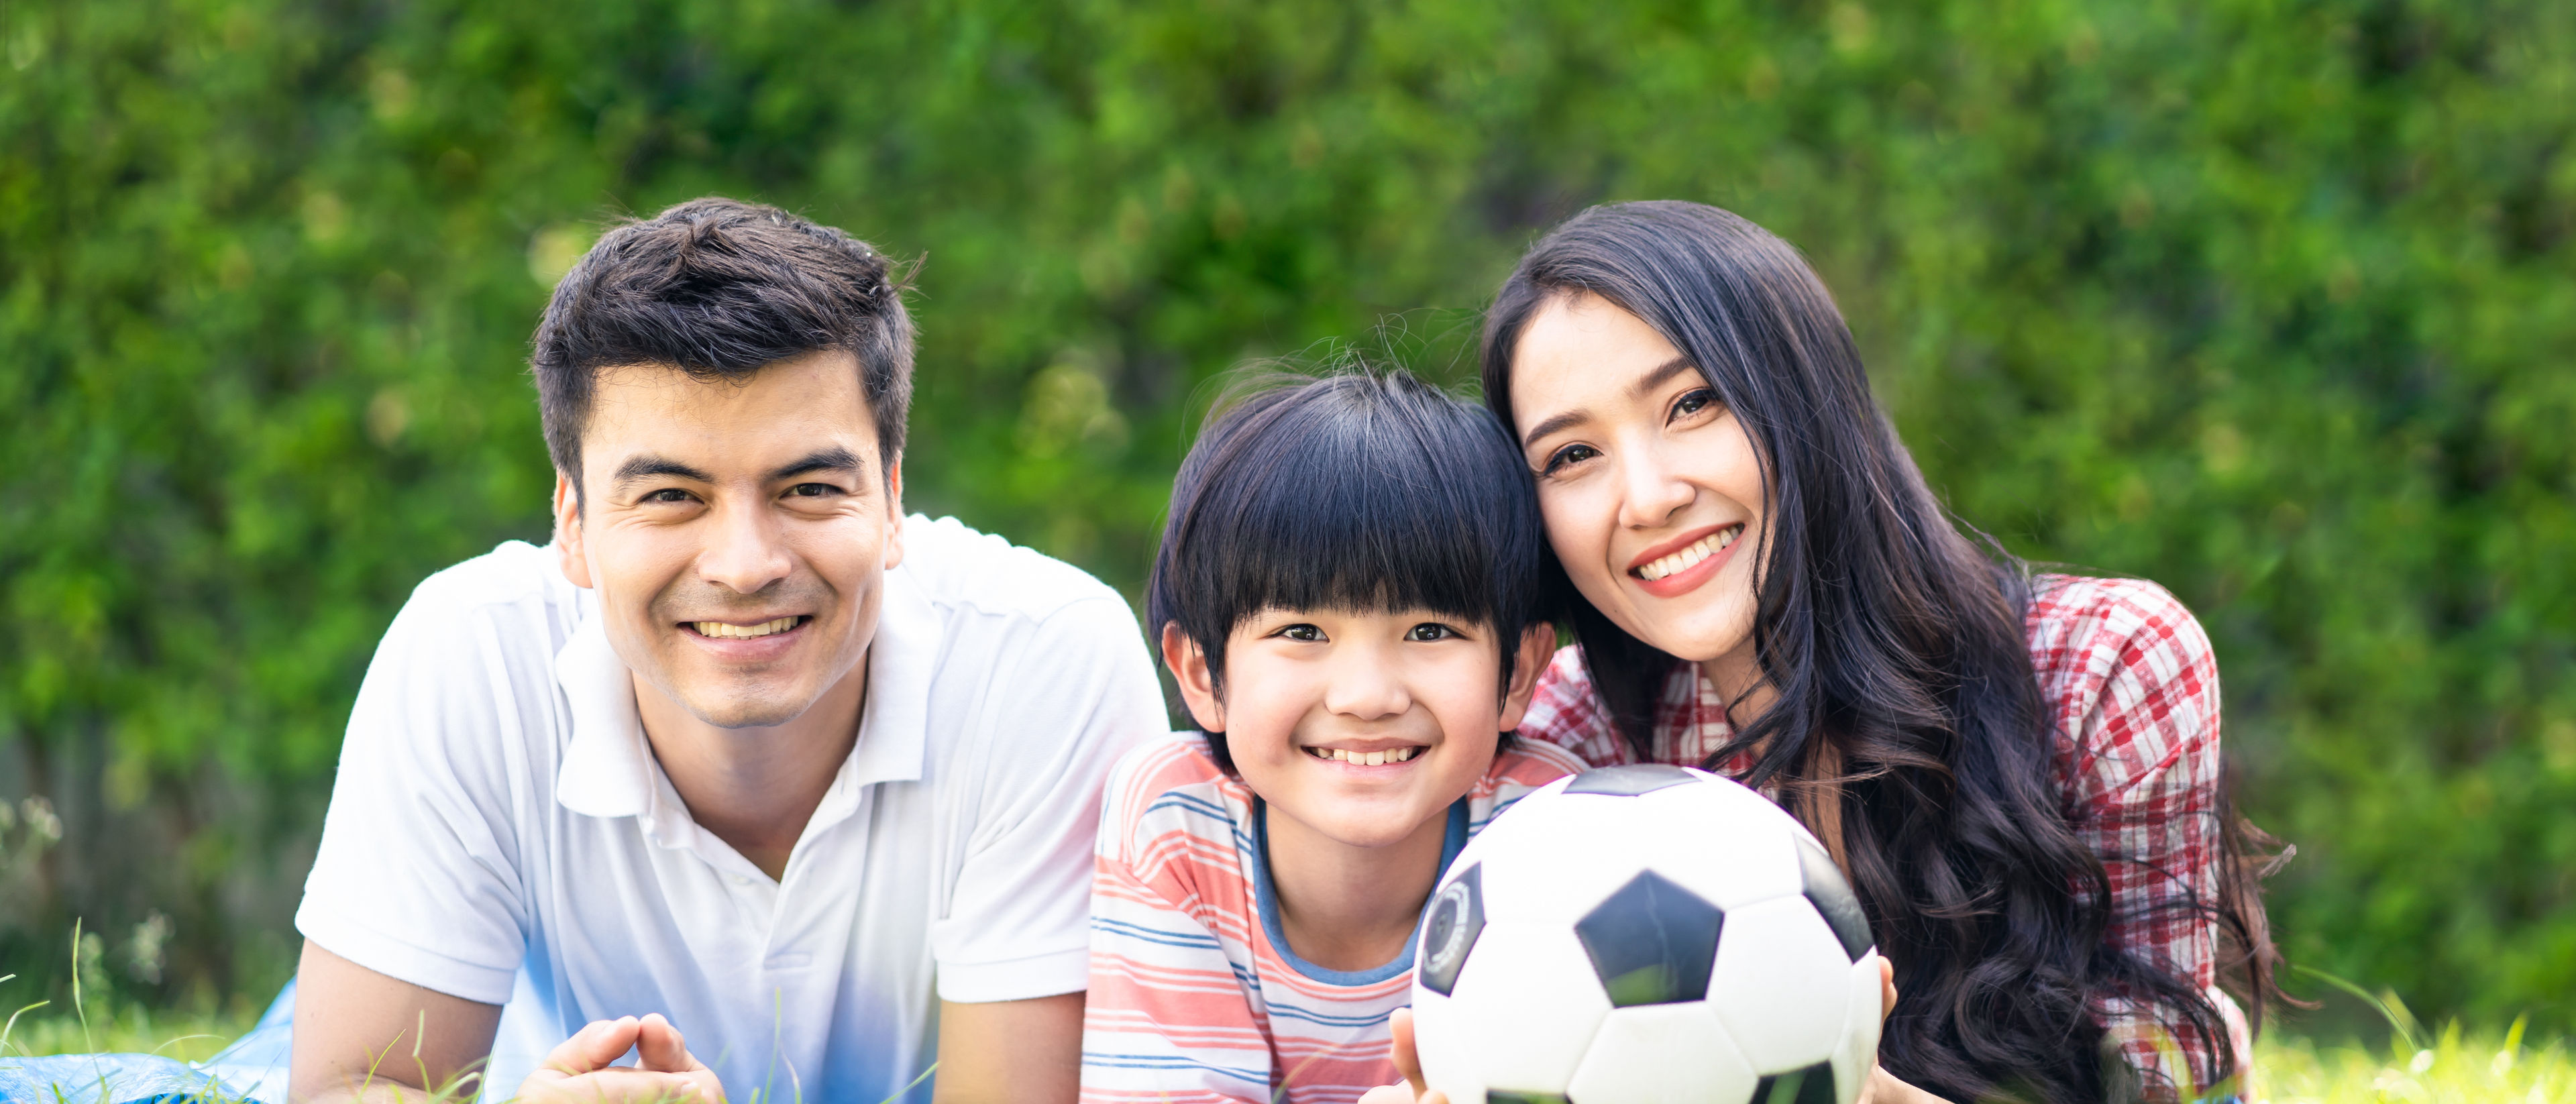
x,y
499,816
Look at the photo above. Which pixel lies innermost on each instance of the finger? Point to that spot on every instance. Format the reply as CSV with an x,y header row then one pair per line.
x,y
658,1046
616,1085
597,1044
1886,987
1408,1060
1435,1096
1387,1094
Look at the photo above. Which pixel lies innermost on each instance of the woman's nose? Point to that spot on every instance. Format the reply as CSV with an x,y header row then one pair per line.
x,y
1652,491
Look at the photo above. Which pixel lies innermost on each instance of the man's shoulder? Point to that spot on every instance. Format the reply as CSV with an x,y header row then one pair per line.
x,y
511,573
966,571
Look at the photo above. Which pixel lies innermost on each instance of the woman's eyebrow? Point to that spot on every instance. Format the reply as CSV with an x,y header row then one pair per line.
x,y
1645,385
1662,375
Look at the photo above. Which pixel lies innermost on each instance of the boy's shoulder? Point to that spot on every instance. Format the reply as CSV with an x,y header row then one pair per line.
x,y
1166,785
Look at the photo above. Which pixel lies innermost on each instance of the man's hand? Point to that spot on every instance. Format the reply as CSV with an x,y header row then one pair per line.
x,y
578,1072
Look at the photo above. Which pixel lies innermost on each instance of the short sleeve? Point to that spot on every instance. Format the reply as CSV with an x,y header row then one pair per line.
x,y
416,877
2134,684
1067,699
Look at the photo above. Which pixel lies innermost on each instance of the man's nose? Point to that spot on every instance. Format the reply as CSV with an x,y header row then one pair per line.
x,y
745,550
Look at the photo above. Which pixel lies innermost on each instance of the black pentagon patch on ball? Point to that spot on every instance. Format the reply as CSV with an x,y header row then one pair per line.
x,y
1652,942
1498,1096
1833,898
1450,928
1812,1085
1630,780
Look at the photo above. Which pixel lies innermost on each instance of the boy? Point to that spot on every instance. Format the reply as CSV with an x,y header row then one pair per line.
x,y
1350,594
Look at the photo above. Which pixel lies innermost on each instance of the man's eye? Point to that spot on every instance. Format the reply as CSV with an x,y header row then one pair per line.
x,y
1693,403
1568,456
1429,631
1308,633
668,494
813,490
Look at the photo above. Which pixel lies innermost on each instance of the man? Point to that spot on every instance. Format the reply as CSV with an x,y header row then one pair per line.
x,y
745,753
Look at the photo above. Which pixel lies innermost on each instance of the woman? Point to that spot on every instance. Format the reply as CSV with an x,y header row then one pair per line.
x,y
2020,772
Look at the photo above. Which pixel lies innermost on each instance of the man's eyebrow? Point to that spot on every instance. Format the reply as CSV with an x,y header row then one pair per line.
x,y
830,459
651,467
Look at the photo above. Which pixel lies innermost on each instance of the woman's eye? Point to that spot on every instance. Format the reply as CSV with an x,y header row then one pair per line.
x,y
1308,633
1693,403
1568,456
1430,631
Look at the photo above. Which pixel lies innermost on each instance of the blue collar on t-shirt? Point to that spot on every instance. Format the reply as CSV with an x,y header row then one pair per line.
x,y
1267,898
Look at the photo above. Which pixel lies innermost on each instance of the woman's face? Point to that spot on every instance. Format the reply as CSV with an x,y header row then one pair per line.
x,y
1649,486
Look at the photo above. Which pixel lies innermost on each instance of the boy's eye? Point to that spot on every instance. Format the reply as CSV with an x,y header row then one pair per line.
x,y
1429,631
1567,457
1307,633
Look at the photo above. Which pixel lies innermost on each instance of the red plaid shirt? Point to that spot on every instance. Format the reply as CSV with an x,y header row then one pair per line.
x,y
2132,691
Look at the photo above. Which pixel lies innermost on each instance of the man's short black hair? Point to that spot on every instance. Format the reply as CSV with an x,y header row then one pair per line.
x,y
1365,491
719,288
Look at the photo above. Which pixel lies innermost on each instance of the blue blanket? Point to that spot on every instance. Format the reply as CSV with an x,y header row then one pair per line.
x,y
253,1068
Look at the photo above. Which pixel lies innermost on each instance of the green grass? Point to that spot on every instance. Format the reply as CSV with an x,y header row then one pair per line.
x,y
2458,1066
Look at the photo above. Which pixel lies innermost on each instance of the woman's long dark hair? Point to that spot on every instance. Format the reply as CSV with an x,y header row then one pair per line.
x,y
1908,730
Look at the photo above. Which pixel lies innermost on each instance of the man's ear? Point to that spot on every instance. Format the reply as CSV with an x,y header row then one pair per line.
x,y
568,553
894,515
1538,646
1189,666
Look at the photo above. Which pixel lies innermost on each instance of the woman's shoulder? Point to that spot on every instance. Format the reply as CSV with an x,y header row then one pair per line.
x,y
2129,679
1565,712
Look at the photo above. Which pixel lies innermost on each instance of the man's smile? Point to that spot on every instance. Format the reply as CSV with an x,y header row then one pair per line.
x,y
737,630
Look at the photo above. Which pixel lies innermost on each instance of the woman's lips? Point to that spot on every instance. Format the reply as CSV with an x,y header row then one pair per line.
x,y
1681,565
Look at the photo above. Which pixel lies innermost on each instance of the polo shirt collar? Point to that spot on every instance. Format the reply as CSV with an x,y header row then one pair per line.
x,y
608,768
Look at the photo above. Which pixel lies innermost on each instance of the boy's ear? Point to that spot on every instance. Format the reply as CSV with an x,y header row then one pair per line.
x,y
1538,646
1189,666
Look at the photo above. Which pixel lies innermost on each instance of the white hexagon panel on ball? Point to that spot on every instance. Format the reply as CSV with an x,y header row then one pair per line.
x,y
1662,1054
1525,1008
1782,984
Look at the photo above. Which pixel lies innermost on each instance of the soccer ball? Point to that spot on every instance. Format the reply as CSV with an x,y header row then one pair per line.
x,y
1645,935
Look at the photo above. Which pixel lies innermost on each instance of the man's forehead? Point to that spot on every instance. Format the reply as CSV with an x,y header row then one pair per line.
x,y
784,410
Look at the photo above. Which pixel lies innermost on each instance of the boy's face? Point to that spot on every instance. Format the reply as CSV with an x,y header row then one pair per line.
x,y
1361,726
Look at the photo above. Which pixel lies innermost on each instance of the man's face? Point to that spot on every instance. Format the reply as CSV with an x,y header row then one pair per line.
x,y
737,534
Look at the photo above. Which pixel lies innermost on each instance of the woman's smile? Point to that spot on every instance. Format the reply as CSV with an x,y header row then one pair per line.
x,y
1680,565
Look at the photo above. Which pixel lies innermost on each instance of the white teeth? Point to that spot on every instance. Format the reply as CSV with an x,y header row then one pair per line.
x,y
723,631
1365,758
1683,560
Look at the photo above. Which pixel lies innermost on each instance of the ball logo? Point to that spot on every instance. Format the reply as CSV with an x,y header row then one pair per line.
x,y
1450,929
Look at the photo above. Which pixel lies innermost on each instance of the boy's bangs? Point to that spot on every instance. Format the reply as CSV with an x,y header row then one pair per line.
x,y
1358,524
1362,492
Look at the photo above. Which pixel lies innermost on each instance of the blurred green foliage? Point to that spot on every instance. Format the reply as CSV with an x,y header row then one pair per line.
x,y
2269,301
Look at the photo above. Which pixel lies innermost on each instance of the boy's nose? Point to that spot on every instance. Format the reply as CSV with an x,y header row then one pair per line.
x,y
1365,686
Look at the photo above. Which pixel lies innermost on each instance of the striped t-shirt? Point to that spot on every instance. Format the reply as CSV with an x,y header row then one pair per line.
x,y
1195,996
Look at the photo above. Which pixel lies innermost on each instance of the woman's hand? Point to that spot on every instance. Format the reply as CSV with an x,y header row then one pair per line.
x,y
1882,1086
578,1072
